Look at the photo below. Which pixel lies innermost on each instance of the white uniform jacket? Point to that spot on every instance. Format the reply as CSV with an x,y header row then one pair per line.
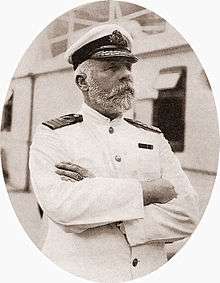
x,y
83,235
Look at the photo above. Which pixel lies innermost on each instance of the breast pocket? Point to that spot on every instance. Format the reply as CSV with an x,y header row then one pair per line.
x,y
149,163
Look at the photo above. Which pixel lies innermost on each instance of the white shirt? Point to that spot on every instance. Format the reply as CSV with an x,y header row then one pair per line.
x,y
83,237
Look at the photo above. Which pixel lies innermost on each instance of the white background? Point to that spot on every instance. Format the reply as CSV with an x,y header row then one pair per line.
x,y
20,22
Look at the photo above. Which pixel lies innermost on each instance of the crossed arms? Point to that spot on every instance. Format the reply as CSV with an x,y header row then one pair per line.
x,y
155,191
79,200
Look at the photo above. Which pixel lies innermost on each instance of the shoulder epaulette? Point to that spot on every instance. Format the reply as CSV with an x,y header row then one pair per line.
x,y
63,121
139,124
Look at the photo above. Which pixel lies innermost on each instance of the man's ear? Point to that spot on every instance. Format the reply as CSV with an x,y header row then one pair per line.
x,y
81,82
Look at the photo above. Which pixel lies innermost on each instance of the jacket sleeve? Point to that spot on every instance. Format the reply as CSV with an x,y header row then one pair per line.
x,y
88,203
174,220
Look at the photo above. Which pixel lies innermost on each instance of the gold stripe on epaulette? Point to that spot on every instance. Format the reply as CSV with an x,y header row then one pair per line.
x,y
139,124
63,121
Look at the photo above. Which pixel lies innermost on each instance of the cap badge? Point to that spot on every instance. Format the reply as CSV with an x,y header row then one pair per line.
x,y
118,39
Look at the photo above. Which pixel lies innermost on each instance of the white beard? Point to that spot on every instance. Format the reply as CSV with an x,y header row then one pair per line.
x,y
119,100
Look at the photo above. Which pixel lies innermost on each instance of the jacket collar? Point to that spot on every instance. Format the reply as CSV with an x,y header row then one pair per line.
x,y
91,115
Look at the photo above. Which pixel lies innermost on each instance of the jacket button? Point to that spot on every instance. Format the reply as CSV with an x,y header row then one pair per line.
x,y
111,130
118,158
135,262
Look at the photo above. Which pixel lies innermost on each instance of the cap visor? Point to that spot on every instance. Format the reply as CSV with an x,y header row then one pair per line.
x,y
115,55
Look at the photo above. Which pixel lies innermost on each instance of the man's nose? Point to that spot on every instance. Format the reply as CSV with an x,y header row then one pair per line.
x,y
125,73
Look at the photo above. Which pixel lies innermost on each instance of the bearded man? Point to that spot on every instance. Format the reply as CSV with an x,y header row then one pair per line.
x,y
111,188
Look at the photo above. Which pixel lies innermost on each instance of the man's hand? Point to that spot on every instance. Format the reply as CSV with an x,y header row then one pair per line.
x,y
158,191
72,172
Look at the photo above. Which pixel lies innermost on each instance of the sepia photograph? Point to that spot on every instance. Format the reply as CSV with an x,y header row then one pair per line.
x,y
109,141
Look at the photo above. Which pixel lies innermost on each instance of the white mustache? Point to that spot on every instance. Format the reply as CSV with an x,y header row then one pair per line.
x,y
122,87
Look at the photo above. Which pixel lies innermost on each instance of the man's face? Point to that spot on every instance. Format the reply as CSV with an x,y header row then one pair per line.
x,y
111,90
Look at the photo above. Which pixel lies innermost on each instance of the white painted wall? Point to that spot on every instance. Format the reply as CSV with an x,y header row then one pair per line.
x,y
55,95
201,126
15,142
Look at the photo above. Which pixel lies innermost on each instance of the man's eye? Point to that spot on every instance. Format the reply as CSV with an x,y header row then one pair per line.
x,y
128,66
115,67
112,67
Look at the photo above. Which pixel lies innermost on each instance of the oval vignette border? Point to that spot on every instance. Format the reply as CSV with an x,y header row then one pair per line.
x,y
197,231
